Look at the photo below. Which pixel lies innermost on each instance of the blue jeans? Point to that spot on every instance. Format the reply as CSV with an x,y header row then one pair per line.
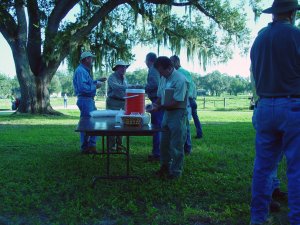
x,y
86,105
275,180
277,131
156,119
197,123
188,142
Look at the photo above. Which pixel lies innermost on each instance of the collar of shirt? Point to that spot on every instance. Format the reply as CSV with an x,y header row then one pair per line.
x,y
86,68
280,22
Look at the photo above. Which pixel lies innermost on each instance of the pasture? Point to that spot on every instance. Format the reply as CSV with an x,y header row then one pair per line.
x,y
45,180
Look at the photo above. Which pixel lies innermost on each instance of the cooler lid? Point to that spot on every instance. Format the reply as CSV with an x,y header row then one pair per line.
x,y
135,91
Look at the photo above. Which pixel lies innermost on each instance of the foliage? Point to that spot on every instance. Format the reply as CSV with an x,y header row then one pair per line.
x,y
137,77
238,85
215,83
41,35
5,86
44,180
66,81
55,85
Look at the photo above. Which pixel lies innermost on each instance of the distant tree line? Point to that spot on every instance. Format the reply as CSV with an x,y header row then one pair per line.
x,y
214,83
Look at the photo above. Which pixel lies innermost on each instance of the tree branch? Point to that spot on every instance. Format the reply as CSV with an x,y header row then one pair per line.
x,y
106,8
8,26
205,12
58,13
81,33
195,3
22,23
34,43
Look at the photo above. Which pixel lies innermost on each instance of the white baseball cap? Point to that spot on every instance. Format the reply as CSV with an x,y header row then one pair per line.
x,y
86,54
120,63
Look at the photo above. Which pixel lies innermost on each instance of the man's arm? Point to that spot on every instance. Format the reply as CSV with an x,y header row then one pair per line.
x,y
84,83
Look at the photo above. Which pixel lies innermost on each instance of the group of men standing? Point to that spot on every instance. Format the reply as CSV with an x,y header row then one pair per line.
x,y
170,145
275,63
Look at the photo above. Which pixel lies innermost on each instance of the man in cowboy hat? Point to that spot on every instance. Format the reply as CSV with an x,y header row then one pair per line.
x,y
275,61
85,90
117,85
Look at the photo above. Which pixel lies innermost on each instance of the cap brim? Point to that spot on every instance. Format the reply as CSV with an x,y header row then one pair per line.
x,y
280,10
115,67
268,10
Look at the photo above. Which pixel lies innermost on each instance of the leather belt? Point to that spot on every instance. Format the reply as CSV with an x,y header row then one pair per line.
x,y
119,99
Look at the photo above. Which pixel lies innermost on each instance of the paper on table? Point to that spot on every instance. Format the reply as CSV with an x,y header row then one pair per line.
x,y
104,113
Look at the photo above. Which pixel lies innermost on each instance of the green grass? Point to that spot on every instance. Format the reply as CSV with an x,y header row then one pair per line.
x,y
211,103
44,179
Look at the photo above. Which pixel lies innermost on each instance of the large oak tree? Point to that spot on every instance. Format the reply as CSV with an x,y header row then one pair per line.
x,y
41,37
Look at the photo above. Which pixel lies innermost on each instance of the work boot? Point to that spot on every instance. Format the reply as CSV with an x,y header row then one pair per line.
x,y
279,195
92,150
163,171
274,206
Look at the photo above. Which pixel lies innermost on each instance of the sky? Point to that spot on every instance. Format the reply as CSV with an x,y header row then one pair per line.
x,y
239,65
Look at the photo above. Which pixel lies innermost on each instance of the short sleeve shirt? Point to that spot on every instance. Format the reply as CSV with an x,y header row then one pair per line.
x,y
178,82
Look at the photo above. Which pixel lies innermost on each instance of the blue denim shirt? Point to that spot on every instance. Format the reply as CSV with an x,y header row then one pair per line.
x,y
275,60
83,83
153,79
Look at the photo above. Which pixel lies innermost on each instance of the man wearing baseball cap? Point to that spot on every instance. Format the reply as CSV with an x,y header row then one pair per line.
x,y
275,61
85,90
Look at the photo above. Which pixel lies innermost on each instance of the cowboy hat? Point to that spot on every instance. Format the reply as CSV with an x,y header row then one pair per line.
x,y
120,63
282,6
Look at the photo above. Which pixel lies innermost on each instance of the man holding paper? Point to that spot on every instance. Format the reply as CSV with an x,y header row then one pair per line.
x,y
172,97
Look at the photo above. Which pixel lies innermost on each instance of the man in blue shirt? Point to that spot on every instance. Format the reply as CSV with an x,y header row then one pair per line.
x,y
275,61
153,79
85,90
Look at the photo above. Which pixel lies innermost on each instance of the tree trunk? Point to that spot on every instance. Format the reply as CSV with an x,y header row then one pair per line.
x,y
35,98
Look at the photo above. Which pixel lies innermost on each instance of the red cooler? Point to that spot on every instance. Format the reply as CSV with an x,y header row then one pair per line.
x,y
135,101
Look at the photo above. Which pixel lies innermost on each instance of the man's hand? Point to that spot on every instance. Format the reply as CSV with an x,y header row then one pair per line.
x,y
153,108
102,79
98,84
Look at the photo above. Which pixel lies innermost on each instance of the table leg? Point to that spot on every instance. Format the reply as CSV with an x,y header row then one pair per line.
x,y
107,157
108,165
103,144
127,154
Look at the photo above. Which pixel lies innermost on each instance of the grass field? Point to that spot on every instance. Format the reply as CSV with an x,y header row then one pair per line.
x,y
204,103
44,179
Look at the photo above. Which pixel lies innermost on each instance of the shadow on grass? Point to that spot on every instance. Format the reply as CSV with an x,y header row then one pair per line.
x,y
51,180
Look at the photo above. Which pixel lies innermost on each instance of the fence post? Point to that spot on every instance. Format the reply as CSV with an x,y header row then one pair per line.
x,y
204,103
224,102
